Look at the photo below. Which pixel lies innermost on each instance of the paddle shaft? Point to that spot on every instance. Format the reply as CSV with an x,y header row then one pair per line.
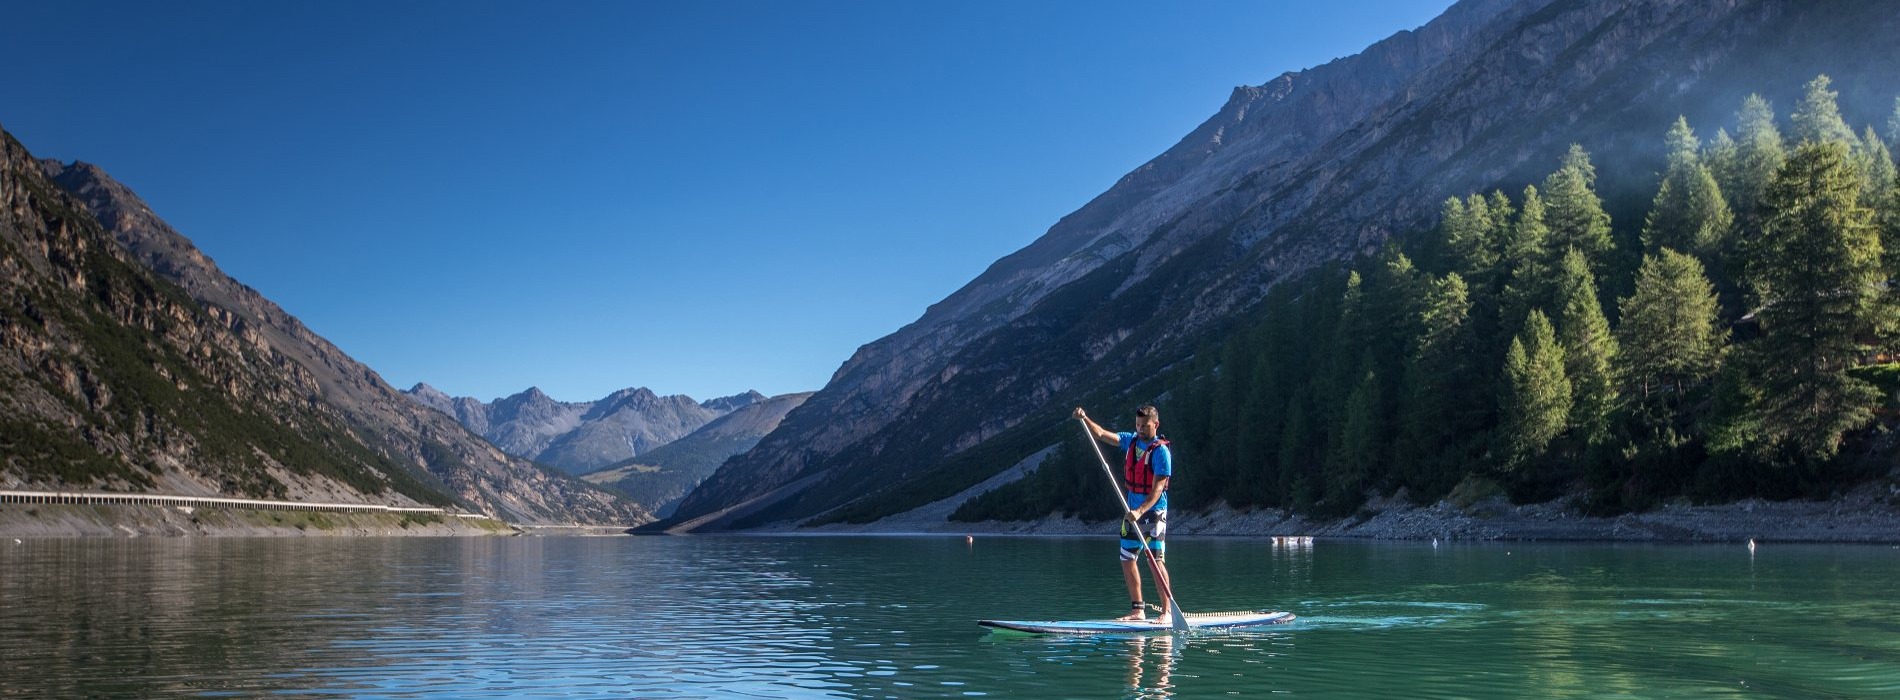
x,y
1176,617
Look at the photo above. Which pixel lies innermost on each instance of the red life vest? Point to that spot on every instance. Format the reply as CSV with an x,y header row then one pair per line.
x,y
1138,467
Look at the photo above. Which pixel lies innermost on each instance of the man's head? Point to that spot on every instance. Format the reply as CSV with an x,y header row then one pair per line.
x,y
1147,422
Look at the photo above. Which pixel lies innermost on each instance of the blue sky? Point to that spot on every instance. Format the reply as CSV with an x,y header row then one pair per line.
x,y
699,198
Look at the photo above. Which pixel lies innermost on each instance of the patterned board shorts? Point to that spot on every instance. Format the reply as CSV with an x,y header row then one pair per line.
x,y
1154,524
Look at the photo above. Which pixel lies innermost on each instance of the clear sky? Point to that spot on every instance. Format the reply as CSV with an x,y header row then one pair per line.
x,y
696,197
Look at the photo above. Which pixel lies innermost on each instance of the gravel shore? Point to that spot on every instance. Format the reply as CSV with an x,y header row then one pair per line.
x,y
52,520
1870,513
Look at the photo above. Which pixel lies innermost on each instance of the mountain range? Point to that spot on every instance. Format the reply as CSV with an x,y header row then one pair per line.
x,y
132,363
582,437
1312,167
660,477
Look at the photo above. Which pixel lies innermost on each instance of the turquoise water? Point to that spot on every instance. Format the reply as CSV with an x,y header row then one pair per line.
x,y
868,617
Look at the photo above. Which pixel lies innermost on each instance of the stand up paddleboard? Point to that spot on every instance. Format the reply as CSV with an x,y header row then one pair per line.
x,y
1198,621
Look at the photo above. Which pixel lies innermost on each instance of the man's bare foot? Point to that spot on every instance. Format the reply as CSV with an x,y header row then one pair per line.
x,y
1137,614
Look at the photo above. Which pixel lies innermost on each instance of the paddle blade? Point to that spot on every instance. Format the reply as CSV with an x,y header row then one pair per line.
x,y
1177,620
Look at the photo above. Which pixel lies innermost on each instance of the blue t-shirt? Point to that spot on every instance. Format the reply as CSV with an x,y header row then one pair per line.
x,y
1163,464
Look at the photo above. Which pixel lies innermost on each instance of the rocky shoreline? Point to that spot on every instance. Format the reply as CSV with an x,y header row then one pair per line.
x,y
18,521
1869,514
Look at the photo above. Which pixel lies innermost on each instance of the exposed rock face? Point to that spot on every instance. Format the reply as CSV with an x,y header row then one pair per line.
x,y
586,436
658,478
1314,166
291,373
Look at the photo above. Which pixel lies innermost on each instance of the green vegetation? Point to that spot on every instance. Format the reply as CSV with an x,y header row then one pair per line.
x,y
1746,351
142,369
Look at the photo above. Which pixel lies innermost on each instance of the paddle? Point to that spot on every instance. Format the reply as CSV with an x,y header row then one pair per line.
x,y
1176,619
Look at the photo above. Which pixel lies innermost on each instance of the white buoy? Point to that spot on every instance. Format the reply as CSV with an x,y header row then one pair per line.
x,y
1751,545
1434,543
969,539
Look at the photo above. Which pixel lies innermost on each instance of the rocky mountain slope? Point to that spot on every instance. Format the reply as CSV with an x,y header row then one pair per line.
x,y
1314,166
161,372
581,437
659,478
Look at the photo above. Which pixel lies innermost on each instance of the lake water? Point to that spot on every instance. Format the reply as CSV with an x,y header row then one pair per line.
x,y
869,617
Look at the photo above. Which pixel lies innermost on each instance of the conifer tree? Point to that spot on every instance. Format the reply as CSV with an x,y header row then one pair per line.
x,y
1818,118
1499,205
1877,169
1758,154
1680,144
1534,406
1440,407
1887,219
1815,268
1670,335
1588,349
1528,282
1689,212
1468,235
1455,237
1720,156
1361,446
1299,457
1573,212
1528,233
1391,305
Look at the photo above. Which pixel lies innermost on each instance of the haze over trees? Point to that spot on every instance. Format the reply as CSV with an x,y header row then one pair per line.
x,y
1747,353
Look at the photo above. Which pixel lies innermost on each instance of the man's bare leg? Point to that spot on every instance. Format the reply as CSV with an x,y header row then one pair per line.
x,y
1162,581
1131,574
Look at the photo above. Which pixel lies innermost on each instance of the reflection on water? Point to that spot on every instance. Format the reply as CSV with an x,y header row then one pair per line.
x,y
894,617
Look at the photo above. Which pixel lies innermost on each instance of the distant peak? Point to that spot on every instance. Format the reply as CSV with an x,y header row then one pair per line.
x,y
531,394
734,402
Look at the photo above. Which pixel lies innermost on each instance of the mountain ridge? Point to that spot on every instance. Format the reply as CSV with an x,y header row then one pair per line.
x,y
585,436
475,473
661,476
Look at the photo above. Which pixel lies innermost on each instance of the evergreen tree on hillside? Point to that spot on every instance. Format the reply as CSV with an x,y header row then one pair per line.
x,y
1467,232
1528,234
1360,449
1498,205
1534,404
1588,350
1815,269
1758,155
1887,219
1680,145
1527,281
1574,213
1720,156
1689,212
1441,410
1393,294
1877,169
1818,118
1671,337
1300,455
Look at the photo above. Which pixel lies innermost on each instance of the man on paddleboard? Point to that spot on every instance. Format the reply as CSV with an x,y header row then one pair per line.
x,y
1146,467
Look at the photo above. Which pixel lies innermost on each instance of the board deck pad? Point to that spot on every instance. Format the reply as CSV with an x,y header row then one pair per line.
x,y
1215,620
